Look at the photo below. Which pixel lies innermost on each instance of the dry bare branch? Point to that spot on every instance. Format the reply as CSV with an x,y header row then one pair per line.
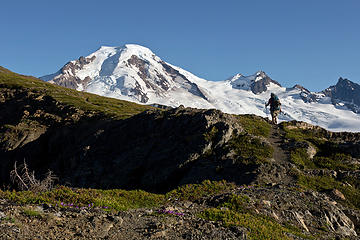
x,y
27,181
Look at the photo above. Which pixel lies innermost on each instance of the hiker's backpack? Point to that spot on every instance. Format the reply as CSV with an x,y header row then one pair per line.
x,y
275,103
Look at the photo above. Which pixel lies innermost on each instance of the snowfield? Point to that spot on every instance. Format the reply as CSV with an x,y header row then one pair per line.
x,y
134,73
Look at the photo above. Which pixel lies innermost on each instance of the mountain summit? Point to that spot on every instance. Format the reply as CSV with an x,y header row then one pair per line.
x,y
136,74
131,72
257,83
345,93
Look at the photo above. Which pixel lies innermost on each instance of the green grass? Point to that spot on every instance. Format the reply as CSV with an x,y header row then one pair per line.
x,y
31,213
234,212
300,135
330,155
85,101
254,125
335,161
331,159
8,219
327,183
108,199
251,150
115,199
301,158
193,192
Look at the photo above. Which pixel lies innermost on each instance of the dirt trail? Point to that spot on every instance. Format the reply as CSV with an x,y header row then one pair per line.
x,y
276,139
277,171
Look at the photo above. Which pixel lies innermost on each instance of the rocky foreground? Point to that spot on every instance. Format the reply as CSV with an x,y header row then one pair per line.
x,y
312,214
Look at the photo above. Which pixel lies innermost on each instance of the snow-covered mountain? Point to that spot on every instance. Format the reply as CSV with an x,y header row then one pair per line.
x,y
135,73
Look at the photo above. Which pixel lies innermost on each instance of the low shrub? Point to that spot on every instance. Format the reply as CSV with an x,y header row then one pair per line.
x,y
234,212
251,150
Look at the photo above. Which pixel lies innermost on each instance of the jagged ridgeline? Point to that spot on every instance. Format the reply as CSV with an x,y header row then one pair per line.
x,y
299,174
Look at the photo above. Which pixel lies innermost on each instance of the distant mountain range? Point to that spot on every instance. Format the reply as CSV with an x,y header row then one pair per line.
x,y
136,74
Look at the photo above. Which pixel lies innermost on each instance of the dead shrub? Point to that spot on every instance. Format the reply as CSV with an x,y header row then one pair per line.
x,y
26,181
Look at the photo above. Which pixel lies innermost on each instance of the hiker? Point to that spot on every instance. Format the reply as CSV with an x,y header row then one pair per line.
x,y
275,107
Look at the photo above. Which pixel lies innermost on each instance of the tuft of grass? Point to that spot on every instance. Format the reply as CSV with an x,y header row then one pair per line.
x,y
254,125
234,212
32,213
193,192
331,156
7,219
251,150
301,158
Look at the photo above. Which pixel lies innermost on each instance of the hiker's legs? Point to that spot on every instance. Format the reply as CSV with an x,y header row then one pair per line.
x,y
274,115
273,120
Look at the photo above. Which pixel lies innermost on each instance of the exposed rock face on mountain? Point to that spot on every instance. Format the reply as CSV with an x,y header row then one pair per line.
x,y
257,83
345,92
66,77
261,85
306,95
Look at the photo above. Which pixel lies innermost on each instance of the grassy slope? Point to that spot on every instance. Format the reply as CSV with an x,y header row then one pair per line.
x,y
85,101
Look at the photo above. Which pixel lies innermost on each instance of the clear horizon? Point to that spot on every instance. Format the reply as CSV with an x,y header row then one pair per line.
x,y
311,43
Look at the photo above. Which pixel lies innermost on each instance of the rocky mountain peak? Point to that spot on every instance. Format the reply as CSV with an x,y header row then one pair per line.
x,y
305,94
235,77
346,92
257,82
261,83
260,75
302,88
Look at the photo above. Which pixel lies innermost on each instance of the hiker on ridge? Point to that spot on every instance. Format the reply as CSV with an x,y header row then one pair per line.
x,y
275,107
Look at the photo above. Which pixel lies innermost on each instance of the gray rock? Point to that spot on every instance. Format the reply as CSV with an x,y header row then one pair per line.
x,y
338,222
2,215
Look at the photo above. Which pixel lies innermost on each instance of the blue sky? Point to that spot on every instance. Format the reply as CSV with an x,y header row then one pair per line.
x,y
309,42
